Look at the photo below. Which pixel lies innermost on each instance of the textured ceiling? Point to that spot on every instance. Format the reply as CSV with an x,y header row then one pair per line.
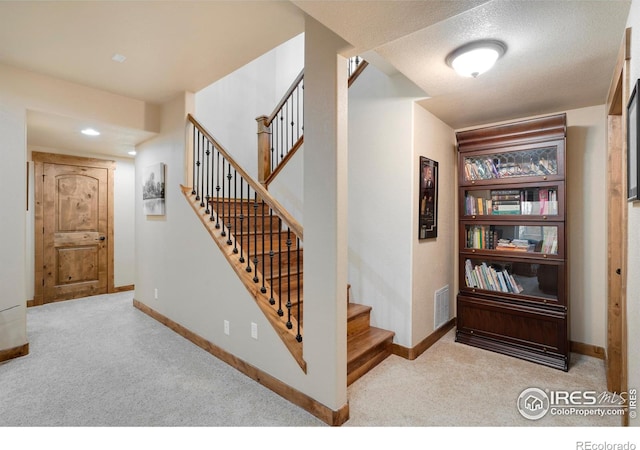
x,y
560,56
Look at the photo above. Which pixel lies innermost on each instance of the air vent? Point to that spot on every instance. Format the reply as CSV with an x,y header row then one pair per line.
x,y
441,306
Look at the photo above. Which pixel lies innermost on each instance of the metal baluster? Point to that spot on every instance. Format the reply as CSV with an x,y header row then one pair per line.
x,y
235,211
299,335
229,241
214,208
224,199
241,219
289,324
218,191
280,311
206,171
255,237
263,289
196,143
272,301
202,169
197,164
248,269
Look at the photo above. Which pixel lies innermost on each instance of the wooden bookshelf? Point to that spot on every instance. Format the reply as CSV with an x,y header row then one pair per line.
x,y
513,266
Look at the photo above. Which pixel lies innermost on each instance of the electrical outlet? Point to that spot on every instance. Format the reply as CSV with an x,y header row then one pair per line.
x,y
155,293
254,330
226,327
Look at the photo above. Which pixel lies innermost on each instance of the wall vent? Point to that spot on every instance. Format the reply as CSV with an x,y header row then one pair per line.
x,y
441,306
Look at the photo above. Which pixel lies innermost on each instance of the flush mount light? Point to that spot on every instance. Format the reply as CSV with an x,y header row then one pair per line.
x,y
132,153
90,132
475,58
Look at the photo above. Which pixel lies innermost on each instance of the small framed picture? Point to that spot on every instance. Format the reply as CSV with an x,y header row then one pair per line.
x,y
633,121
153,190
428,199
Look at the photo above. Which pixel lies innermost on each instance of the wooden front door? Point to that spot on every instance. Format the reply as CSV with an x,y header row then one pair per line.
x,y
73,214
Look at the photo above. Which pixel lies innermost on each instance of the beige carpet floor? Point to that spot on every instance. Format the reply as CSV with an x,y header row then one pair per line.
x,y
453,384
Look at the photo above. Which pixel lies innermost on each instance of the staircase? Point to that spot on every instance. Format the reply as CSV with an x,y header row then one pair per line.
x,y
261,240
367,346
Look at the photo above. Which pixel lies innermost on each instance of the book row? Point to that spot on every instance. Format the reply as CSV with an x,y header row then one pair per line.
x,y
490,278
520,202
488,169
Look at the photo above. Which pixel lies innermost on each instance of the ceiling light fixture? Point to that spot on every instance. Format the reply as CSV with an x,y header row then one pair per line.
x,y
475,58
132,153
90,132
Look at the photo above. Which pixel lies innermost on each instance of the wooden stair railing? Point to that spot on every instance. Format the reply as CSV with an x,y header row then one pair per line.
x,y
259,238
281,134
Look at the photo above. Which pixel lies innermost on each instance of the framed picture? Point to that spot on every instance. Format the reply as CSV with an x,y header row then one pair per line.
x,y
428,199
633,119
153,190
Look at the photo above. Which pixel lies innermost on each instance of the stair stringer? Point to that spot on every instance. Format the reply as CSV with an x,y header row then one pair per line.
x,y
288,336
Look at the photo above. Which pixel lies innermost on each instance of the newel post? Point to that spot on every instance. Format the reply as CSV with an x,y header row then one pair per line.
x,y
264,150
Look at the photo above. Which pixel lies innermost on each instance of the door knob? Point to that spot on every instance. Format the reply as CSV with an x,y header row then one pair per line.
x,y
101,238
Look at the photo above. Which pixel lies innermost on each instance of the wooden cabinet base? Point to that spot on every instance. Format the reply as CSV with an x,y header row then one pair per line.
x,y
530,333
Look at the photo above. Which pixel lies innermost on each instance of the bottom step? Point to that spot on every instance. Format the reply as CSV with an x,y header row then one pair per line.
x,y
366,350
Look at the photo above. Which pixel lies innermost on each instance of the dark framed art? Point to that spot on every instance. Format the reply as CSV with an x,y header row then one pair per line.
x,y
633,121
428,199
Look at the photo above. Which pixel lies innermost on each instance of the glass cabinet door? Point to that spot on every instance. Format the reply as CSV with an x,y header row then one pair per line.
x,y
514,164
542,281
530,239
510,203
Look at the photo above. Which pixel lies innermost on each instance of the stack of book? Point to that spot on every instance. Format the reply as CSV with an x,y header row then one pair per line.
x,y
490,278
506,201
517,245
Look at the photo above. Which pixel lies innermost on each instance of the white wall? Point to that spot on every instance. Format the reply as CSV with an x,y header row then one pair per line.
x,y
387,134
633,225
229,107
434,260
586,219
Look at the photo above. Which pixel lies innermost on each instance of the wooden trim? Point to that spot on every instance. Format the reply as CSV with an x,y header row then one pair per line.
x,y
284,161
68,160
15,352
262,193
588,350
293,86
529,131
38,240
128,287
414,352
31,303
110,231
287,335
617,265
328,416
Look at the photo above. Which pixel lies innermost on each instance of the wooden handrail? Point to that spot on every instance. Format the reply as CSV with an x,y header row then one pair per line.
x,y
264,195
284,162
285,97
357,72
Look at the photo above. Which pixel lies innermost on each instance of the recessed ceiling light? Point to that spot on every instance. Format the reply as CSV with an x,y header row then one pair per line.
x,y
132,153
90,132
475,58
117,57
